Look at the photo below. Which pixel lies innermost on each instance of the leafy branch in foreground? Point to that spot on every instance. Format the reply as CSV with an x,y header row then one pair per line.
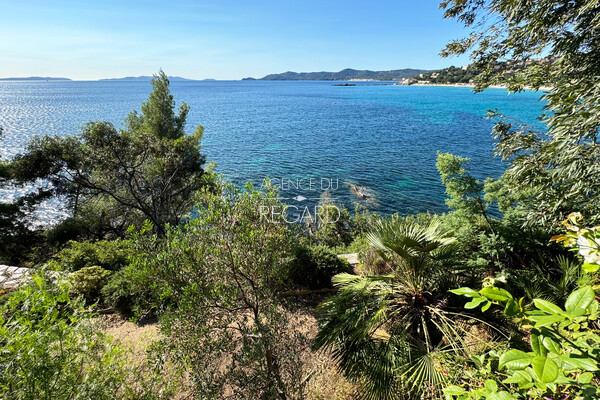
x,y
52,349
559,41
565,346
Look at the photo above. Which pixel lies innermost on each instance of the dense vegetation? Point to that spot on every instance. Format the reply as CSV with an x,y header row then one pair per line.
x,y
495,299
469,73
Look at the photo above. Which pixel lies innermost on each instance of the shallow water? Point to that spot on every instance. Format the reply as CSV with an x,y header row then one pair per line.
x,y
382,137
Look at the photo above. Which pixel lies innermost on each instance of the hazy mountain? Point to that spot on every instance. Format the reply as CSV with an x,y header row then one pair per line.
x,y
345,75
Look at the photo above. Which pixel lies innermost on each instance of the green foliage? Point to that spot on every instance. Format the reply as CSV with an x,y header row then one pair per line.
x,y
557,168
223,270
16,238
114,178
315,265
469,73
52,350
565,348
88,282
418,249
488,243
362,220
550,281
360,244
390,333
334,226
481,246
135,290
108,254
465,192
450,75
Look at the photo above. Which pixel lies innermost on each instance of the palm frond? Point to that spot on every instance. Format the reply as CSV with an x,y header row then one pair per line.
x,y
388,332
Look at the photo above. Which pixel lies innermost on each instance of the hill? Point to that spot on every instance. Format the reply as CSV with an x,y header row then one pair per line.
x,y
344,75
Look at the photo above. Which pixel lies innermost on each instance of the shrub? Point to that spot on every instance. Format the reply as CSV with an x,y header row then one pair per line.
x,y
360,244
224,269
315,265
564,349
134,290
111,255
88,282
52,349
334,227
396,335
564,358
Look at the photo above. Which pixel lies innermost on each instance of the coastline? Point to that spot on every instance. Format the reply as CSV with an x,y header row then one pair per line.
x,y
469,85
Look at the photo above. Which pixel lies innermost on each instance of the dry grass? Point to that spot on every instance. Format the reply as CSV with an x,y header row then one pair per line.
x,y
323,380
136,337
326,382
137,340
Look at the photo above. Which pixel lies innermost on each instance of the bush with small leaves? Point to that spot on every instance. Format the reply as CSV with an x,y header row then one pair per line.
x,y
136,291
53,349
88,282
108,254
314,266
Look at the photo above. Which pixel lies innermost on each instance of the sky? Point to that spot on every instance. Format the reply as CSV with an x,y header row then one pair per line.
x,y
219,39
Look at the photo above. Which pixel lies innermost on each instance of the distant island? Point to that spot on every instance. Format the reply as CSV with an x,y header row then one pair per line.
x,y
347,74
35,78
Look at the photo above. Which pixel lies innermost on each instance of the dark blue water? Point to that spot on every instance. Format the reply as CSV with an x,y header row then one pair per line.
x,y
384,138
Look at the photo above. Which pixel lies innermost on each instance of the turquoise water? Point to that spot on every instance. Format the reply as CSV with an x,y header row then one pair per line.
x,y
382,137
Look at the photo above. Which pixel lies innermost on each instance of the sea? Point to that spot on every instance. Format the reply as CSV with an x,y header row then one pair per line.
x,y
373,145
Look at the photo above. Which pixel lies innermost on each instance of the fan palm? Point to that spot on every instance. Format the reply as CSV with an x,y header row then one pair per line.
x,y
391,333
552,281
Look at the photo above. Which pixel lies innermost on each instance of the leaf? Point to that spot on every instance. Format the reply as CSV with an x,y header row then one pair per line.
x,y
536,346
590,268
501,396
579,362
475,302
512,308
551,344
586,377
579,301
544,320
465,291
515,359
491,385
454,390
519,377
593,308
545,369
547,306
496,294
486,306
